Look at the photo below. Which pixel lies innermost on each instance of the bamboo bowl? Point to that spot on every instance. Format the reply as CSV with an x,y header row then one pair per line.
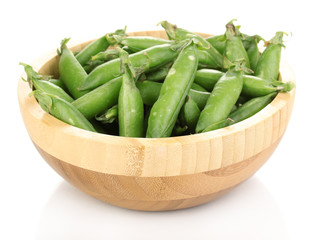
x,y
155,174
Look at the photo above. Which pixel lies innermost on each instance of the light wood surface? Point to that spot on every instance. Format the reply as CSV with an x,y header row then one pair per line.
x,y
155,174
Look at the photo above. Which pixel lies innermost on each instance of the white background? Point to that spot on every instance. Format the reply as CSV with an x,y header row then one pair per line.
x,y
36,203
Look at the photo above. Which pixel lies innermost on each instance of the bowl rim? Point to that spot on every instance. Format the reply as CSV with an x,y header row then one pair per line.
x,y
31,109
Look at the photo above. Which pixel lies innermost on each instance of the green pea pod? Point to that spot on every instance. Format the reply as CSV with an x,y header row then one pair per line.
x,y
244,111
97,46
99,99
138,43
253,51
106,56
88,67
70,70
35,80
62,110
159,74
207,78
147,59
130,104
251,107
178,34
199,97
234,49
179,130
189,114
222,99
252,86
197,87
58,82
150,92
220,124
174,90
109,116
269,61
218,42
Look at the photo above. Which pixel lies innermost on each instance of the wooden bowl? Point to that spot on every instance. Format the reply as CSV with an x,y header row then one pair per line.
x,y
155,174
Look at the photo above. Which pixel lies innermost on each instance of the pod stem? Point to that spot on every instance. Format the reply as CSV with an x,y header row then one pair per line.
x,y
116,37
32,75
169,28
232,30
238,65
125,62
63,46
277,39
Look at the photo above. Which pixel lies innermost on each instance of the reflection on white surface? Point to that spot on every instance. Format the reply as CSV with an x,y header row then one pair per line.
x,y
247,212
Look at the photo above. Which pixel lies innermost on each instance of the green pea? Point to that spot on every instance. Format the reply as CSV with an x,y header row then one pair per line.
x,y
158,74
244,111
71,71
106,56
138,43
99,99
253,51
109,115
147,59
178,34
150,92
189,114
97,46
35,80
130,104
269,61
174,90
252,86
58,82
234,49
222,99
62,110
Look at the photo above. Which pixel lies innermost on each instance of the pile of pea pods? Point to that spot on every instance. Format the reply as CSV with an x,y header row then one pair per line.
x,y
142,86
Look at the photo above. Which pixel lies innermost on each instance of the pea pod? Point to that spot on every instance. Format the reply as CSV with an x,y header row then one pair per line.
x,y
106,56
97,46
243,112
100,58
109,116
175,88
58,82
178,34
189,114
138,43
70,70
234,49
88,67
159,74
99,99
269,61
130,104
252,86
222,99
150,92
219,41
62,110
35,80
147,59
205,58
253,52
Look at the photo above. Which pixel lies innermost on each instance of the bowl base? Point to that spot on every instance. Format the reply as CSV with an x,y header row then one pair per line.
x,y
159,193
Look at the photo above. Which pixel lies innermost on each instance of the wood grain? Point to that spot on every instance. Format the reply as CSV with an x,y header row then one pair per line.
x,y
159,193
155,174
